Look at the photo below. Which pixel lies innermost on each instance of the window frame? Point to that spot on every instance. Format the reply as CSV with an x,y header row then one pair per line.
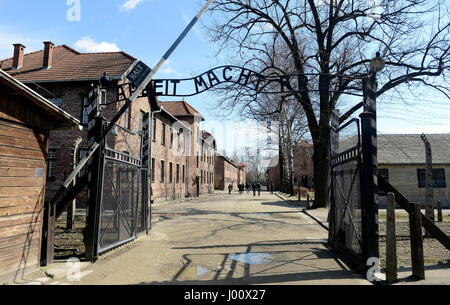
x,y
51,159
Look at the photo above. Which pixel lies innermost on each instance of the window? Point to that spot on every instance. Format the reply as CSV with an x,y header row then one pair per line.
x,y
163,134
179,141
56,101
171,137
438,178
51,164
127,118
154,130
170,172
85,118
182,174
197,161
143,119
153,170
162,171
81,154
178,173
384,172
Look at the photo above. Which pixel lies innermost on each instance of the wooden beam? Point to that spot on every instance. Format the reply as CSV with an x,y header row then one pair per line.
x,y
427,223
70,195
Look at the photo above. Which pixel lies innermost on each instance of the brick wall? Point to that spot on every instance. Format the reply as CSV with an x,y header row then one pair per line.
x,y
72,95
404,178
173,156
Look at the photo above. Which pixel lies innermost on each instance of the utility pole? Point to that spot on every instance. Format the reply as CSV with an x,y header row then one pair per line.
x,y
429,210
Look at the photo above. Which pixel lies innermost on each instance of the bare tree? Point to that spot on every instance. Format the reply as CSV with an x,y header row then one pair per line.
x,y
331,43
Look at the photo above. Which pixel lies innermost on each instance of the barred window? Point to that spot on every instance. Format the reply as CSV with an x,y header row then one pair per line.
x,y
438,178
162,171
56,101
51,164
85,118
153,170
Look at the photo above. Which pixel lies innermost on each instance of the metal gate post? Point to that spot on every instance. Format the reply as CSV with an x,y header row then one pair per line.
x,y
334,150
369,186
94,194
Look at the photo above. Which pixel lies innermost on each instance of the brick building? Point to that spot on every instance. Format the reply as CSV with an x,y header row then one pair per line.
x,y
65,77
182,154
303,168
195,155
303,165
401,160
228,172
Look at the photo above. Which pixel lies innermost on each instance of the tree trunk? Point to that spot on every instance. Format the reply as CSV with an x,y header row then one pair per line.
x,y
322,169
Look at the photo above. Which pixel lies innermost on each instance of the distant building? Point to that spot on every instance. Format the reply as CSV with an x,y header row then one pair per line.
x,y
228,172
303,168
401,160
200,149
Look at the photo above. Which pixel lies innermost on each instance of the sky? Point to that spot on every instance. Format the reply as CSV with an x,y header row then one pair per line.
x,y
145,29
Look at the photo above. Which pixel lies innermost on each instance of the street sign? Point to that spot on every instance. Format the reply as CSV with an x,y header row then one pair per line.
x,y
139,74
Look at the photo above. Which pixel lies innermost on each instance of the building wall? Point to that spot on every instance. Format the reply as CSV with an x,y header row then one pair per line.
x,y
226,174
23,152
404,178
303,165
273,176
63,142
171,154
196,154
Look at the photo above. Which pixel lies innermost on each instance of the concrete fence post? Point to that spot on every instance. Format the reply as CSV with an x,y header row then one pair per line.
x,y
439,208
391,246
415,225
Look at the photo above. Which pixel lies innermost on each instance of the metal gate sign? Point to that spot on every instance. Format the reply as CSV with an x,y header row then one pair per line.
x,y
139,74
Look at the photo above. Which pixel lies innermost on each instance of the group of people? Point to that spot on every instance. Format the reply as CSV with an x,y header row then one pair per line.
x,y
254,187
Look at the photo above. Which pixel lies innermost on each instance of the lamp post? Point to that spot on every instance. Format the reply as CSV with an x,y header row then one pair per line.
x,y
369,205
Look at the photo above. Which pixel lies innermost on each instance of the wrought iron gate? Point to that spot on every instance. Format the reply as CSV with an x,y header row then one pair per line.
x,y
123,199
346,200
354,208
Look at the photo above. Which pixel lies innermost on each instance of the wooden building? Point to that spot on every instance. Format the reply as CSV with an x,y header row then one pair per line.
x,y
26,119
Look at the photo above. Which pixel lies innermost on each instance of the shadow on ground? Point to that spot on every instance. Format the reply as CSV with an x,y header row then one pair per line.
x,y
293,261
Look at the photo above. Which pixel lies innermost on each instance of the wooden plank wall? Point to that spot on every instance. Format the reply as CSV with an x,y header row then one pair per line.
x,y
22,194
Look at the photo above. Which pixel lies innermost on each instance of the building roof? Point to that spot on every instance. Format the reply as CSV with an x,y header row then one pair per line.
x,y
181,108
407,148
241,165
410,149
65,119
227,159
69,65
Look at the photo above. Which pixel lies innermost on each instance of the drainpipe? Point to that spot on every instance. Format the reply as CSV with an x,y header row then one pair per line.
x,y
150,167
187,141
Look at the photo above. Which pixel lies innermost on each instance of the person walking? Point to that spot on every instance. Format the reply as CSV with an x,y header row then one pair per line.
x,y
271,189
258,186
247,186
230,188
254,189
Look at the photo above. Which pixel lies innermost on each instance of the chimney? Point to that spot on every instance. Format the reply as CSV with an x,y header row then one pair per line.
x,y
48,54
18,56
